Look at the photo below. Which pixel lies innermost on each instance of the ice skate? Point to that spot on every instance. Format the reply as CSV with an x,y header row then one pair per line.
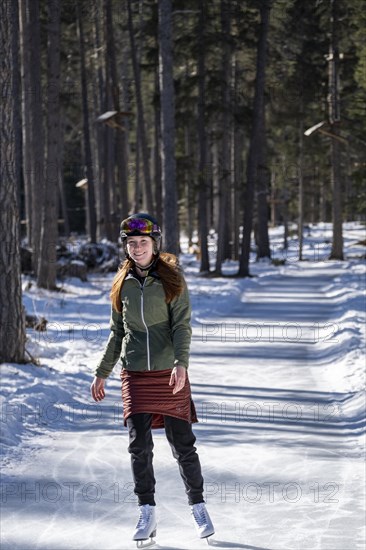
x,y
202,520
146,527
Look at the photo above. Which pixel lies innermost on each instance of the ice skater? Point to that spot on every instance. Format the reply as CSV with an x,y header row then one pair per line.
x,y
151,335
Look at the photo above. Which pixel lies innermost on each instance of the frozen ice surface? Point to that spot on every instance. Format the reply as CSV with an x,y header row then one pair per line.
x,y
278,378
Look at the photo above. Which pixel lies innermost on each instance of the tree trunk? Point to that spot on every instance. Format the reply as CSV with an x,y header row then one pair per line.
x,y
120,138
17,118
334,119
126,105
108,184
26,117
223,235
12,327
255,139
108,157
202,139
237,187
148,196
262,184
92,217
215,164
301,183
285,218
101,129
137,201
46,274
188,187
337,217
36,128
61,182
157,156
167,106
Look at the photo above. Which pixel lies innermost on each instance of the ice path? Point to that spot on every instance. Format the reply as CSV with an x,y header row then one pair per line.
x,y
278,437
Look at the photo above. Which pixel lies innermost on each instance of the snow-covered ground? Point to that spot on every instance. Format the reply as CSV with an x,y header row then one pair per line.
x,y
278,378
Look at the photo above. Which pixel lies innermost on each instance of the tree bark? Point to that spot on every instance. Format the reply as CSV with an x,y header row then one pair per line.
x,y
255,139
335,152
337,216
167,106
108,156
157,147
36,128
223,236
301,183
61,182
17,113
262,183
202,139
12,327
137,201
120,138
101,182
285,214
92,217
237,188
148,196
189,188
26,117
46,274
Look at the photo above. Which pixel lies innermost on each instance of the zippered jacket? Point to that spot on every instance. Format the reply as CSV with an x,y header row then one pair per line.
x,y
149,334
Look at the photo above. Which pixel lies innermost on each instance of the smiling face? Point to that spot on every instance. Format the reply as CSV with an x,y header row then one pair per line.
x,y
141,250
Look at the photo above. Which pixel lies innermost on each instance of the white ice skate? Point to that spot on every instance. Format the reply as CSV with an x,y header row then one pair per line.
x,y
202,520
146,527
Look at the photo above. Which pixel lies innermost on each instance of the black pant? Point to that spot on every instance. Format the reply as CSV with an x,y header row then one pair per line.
x,y
181,439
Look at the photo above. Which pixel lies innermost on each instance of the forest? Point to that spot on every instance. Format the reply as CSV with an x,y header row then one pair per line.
x,y
222,118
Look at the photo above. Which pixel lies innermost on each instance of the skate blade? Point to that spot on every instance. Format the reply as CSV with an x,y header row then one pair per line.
x,y
146,543
208,539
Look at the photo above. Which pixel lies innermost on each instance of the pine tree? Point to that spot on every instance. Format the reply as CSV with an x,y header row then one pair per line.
x,y
12,327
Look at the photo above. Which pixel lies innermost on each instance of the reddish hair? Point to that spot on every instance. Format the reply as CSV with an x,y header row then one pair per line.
x,y
168,271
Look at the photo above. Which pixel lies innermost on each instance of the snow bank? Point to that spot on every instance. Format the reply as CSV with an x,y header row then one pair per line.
x,y
278,379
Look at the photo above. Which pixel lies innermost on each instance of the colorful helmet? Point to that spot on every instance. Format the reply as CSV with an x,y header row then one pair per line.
x,y
140,225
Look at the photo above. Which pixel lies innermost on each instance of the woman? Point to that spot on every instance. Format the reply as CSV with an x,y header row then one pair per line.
x,y
151,334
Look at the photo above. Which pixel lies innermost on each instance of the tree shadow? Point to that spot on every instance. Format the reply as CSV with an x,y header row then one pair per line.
x,y
323,422
226,544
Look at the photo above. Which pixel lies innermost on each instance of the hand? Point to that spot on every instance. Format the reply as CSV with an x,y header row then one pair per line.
x,y
97,389
178,378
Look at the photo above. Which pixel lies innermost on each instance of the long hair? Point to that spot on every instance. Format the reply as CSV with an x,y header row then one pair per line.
x,y
166,267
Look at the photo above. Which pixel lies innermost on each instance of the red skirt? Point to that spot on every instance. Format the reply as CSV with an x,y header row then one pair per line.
x,y
149,392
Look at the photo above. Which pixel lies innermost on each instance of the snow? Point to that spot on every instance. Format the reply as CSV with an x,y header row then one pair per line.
x,y
278,378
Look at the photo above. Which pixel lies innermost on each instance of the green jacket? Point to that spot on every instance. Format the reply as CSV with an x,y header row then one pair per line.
x,y
149,334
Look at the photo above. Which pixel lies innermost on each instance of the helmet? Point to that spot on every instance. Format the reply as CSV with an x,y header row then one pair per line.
x,y
141,225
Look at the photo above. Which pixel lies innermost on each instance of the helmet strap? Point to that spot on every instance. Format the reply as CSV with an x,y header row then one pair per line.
x,y
146,268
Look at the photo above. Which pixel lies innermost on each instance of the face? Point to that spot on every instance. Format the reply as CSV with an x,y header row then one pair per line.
x,y
141,249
